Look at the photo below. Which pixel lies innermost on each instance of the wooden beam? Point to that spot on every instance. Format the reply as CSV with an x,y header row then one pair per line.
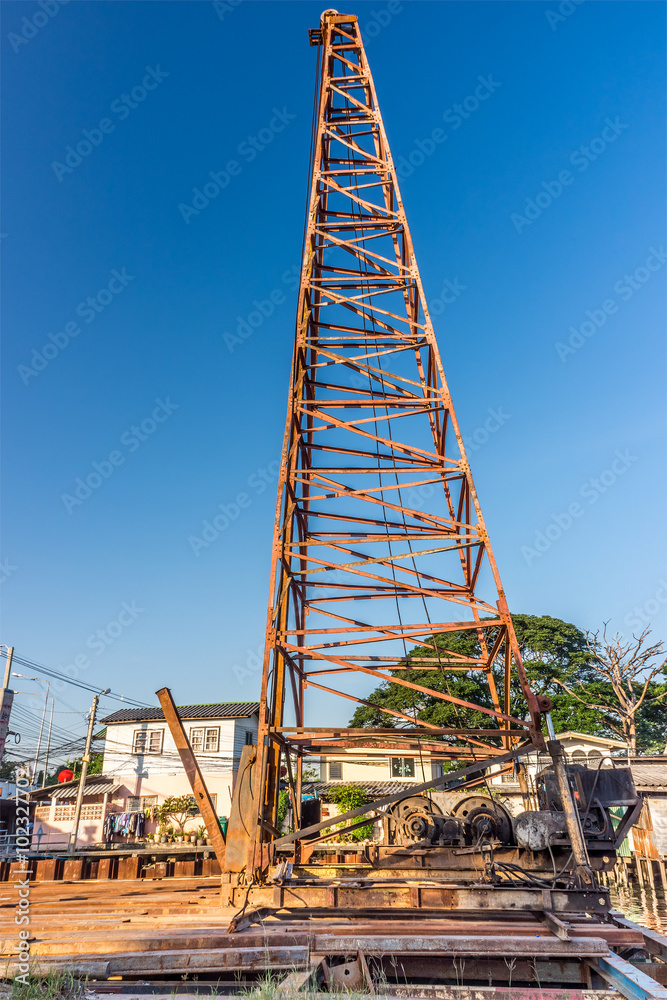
x,y
197,783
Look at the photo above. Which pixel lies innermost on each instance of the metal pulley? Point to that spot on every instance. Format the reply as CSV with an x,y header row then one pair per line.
x,y
485,819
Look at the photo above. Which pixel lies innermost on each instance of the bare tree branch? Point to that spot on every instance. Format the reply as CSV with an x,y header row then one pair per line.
x,y
629,668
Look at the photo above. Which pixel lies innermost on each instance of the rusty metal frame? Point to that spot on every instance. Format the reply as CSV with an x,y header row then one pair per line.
x,y
197,783
369,421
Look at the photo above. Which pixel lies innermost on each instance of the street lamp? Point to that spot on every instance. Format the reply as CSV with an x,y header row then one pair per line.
x,y
41,728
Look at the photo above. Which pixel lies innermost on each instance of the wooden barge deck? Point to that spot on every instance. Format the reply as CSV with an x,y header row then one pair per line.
x,y
122,931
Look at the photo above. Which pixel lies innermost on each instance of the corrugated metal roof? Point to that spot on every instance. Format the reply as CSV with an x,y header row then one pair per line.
x,y
96,784
650,775
216,710
90,788
376,789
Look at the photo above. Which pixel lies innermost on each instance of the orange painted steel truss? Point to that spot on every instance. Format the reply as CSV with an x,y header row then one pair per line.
x,y
363,568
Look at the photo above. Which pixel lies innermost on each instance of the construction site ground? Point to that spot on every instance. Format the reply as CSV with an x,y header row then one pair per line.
x,y
131,937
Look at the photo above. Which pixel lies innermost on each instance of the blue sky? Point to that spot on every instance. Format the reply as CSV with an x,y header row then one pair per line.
x,y
538,224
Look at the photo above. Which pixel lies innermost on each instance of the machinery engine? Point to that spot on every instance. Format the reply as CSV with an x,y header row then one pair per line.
x,y
418,821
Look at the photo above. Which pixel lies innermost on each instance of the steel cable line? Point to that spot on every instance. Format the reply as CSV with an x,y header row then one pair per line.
x,y
34,665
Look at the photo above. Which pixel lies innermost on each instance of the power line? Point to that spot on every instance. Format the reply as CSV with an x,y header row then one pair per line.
x,y
34,665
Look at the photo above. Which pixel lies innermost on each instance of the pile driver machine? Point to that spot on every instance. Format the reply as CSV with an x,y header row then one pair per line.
x,y
367,584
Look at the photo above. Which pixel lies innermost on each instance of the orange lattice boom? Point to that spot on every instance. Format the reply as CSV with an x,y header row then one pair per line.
x,y
362,573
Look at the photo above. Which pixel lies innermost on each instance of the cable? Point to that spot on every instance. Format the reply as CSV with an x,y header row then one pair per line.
x,y
34,665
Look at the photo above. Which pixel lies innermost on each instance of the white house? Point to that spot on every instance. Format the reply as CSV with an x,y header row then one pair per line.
x,y
381,768
142,767
382,772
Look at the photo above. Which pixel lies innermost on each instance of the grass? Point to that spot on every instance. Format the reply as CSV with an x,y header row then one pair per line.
x,y
53,986
271,987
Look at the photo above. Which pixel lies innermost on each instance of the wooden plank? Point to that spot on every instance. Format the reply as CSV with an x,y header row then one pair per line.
x,y
463,944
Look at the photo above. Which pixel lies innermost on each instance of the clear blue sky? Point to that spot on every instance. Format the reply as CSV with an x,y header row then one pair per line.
x,y
170,93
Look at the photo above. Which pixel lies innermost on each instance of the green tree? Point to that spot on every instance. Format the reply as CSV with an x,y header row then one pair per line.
x,y
7,769
549,648
74,765
557,657
180,808
349,797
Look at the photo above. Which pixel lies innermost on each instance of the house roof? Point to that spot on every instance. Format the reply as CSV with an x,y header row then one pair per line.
x,y
214,710
96,784
376,789
587,738
650,776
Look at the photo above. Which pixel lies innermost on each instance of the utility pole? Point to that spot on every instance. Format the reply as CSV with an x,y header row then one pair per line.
x,y
41,728
6,699
39,738
85,760
48,745
8,667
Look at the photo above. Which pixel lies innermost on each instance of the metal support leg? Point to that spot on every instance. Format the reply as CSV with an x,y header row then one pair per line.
x,y
581,859
663,874
523,785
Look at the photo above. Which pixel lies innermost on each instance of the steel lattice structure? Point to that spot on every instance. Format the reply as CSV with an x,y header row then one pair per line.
x,y
360,572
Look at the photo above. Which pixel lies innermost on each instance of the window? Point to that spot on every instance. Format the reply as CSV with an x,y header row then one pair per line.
x,y
137,803
148,741
508,778
195,808
335,770
205,740
212,740
402,767
249,738
197,740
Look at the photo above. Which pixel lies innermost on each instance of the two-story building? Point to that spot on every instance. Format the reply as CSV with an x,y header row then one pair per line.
x,y
142,767
382,773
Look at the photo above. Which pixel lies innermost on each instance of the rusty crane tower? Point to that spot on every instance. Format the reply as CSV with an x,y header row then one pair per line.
x,y
364,578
